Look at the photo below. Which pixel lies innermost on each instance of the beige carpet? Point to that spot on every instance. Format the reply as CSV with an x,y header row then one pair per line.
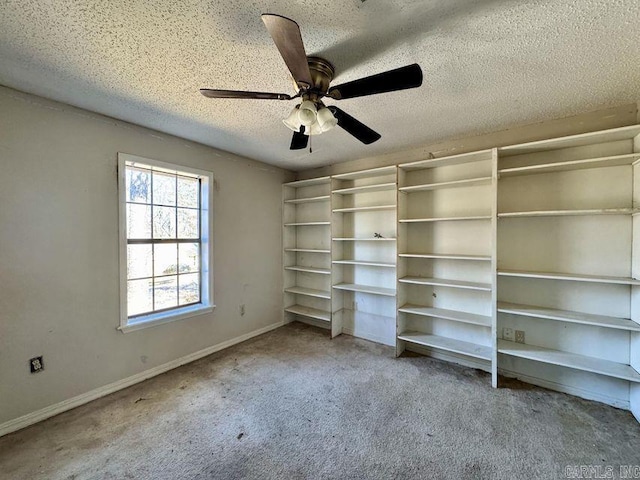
x,y
292,404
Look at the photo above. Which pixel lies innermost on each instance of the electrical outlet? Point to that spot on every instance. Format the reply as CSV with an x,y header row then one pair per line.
x,y
519,336
36,364
507,334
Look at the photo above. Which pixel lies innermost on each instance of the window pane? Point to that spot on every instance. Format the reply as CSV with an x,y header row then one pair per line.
x,y
166,292
139,261
138,221
189,257
187,223
139,296
189,288
138,185
164,189
188,192
164,222
165,259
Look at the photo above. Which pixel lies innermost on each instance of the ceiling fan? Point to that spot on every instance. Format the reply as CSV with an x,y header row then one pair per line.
x,y
312,78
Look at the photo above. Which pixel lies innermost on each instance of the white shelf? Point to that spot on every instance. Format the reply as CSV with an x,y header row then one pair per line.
x,y
306,224
463,317
364,264
440,282
447,161
387,292
569,213
322,271
603,136
447,344
569,316
364,209
372,172
570,360
309,312
351,239
380,187
440,256
306,250
309,182
308,199
454,184
600,162
570,277
309,292
444,219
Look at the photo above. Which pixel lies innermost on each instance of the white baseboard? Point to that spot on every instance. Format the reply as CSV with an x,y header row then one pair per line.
x,y
313,322
450,357
558,387
51,410
368,336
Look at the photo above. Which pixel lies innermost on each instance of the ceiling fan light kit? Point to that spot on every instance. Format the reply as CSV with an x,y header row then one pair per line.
x,y
312,77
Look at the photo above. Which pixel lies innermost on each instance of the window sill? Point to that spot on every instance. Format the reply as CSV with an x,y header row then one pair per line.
x,y
166,317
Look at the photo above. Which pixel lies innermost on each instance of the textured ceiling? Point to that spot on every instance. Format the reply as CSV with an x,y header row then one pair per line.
x,y
487,64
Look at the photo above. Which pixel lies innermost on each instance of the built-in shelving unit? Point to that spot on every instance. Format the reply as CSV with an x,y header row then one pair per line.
x,y
446,278
307,251
364,249
568,264
522,260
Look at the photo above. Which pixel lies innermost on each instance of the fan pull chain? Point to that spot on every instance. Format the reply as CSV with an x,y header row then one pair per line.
x,y
310,150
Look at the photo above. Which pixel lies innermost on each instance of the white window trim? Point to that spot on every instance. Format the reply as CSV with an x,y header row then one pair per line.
x,y
206,221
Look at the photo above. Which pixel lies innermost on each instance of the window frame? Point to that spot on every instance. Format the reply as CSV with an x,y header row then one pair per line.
x,y
206,304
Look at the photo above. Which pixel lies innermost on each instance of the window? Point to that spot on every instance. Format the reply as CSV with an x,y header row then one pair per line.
x,y
165,242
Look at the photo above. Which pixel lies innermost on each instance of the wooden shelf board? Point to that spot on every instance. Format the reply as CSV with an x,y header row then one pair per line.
x,y
306,250
611,135
442,256
569,276
568,316
454,184
372,172
444,219
365,264
387,292
308,199
569,213
309,292
600,162
448,344
380,187
306,183
364,209
440,282
446,161
297,268
352,239
306,224
309,312
463,317
570,360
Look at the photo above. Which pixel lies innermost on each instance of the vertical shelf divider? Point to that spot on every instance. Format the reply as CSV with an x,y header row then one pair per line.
x,y
494,268
634,344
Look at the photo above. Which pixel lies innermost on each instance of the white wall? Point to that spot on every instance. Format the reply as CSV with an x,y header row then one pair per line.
x,y
59,252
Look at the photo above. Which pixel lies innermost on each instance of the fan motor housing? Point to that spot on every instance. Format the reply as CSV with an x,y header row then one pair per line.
x,y
322,73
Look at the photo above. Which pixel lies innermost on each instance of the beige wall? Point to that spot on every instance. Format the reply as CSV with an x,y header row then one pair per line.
x,y
59,252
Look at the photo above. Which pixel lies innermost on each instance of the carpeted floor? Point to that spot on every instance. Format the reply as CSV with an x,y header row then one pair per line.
x,y
292,404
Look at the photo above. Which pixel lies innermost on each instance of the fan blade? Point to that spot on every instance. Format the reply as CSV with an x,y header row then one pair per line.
x,y
391,81
211,93
355,127
286,35
299,140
